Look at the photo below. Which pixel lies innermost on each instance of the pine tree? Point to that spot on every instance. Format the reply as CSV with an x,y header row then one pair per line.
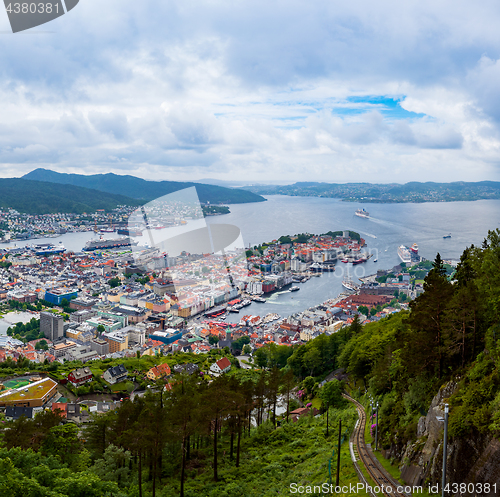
x,y
425,343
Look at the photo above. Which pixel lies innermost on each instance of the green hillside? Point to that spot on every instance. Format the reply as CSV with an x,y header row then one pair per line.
x,y
387,193
142,189
39,197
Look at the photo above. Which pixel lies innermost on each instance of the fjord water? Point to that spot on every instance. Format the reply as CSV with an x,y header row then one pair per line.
x,y
388,226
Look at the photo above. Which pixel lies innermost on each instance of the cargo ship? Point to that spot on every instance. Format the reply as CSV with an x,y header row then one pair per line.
x,y
109,243
362,213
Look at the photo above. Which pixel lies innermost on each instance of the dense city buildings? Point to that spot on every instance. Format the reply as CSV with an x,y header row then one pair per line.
x,y
110,305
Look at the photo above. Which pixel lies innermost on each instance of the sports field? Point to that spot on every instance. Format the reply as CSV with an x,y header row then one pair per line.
x,y
16,383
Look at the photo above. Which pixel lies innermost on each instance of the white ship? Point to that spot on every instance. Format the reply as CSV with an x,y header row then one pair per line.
x,y
362,213
404,254
348,283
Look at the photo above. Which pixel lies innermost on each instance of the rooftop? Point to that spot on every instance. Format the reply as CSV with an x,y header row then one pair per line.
x,y
29,392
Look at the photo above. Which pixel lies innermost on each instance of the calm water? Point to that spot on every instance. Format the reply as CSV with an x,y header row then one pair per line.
x,y
389,226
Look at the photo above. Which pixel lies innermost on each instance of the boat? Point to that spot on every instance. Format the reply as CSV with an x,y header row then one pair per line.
x,y
294,289
447,236
375,260
404,254
107,230
348,283
321,267
109,243
414,248
215,312
259,299
360,260
48,249
362,213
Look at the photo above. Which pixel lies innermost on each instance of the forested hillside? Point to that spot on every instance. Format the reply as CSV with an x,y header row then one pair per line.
x,y
225,437
449,338
145,190
41,197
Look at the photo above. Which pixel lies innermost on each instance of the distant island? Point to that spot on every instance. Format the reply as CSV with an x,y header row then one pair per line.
x,y
387,193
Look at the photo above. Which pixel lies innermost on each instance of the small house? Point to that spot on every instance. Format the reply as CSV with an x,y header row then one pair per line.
x,y
221,366
115,374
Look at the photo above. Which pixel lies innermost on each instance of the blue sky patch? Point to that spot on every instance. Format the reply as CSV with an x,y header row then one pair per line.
x,y
388,106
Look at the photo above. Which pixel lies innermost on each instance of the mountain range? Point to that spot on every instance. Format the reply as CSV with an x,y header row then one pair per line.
x,y
142,189
39,197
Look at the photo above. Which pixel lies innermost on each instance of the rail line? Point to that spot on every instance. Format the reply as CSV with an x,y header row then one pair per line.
x,y
387,485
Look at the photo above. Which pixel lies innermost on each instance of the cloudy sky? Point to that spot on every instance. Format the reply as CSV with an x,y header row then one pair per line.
x,y
256,90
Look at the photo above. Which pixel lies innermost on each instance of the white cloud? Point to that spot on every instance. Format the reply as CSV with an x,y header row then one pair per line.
x,y
257,90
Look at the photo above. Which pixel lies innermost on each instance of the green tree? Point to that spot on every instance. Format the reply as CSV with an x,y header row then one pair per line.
x,y
114,282
425,350
260,356
363,310
312,360
63,441
331,394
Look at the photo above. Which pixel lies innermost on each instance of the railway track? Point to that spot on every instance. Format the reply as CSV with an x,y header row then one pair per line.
x,y
385,483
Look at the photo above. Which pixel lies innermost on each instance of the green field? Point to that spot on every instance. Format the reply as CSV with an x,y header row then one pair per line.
x,y
16,383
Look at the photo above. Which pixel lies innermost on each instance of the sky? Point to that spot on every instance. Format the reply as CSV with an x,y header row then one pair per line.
x,y
256,91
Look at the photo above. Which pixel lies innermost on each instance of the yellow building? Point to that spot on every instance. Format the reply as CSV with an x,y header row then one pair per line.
x,y
35,395
74,334
117,340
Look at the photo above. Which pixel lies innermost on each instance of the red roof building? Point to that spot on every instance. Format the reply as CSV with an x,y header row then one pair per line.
x,y
221,366
80,376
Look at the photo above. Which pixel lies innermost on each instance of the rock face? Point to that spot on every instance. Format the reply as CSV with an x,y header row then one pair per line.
x,y
422,460
470,460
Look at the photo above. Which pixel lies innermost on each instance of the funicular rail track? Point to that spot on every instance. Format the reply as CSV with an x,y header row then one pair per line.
x,y
381,479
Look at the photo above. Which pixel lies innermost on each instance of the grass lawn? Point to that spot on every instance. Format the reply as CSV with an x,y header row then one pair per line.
x,y
124,386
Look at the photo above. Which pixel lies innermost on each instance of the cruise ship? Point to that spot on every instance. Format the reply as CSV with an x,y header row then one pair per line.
x,y
109,243
48,249
362,213
404,254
